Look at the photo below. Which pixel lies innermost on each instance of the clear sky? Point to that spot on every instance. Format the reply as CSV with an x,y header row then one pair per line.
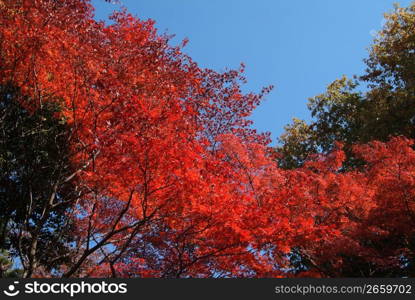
x,y
299,46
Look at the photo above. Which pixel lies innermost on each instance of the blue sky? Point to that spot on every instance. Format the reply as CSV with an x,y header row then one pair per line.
x,y
299,46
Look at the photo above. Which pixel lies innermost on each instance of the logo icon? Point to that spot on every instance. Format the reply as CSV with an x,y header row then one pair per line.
x,y
12,291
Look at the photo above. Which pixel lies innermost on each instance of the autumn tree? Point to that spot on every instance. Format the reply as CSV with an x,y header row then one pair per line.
x,y
345,113
371,212
144,125
121,157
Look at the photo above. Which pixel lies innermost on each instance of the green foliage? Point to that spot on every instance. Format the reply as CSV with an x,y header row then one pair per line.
x,y
6,266
339,115
298,143
33,156
344,113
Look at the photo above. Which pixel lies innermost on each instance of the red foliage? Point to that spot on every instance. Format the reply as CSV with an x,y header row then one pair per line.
x,y
179,185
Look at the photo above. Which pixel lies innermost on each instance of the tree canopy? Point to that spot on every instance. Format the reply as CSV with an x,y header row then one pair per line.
x,y
121,157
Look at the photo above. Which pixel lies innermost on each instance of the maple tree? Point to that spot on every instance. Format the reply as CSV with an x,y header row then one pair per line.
x,y
371,210
145,164
144,122
345,113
